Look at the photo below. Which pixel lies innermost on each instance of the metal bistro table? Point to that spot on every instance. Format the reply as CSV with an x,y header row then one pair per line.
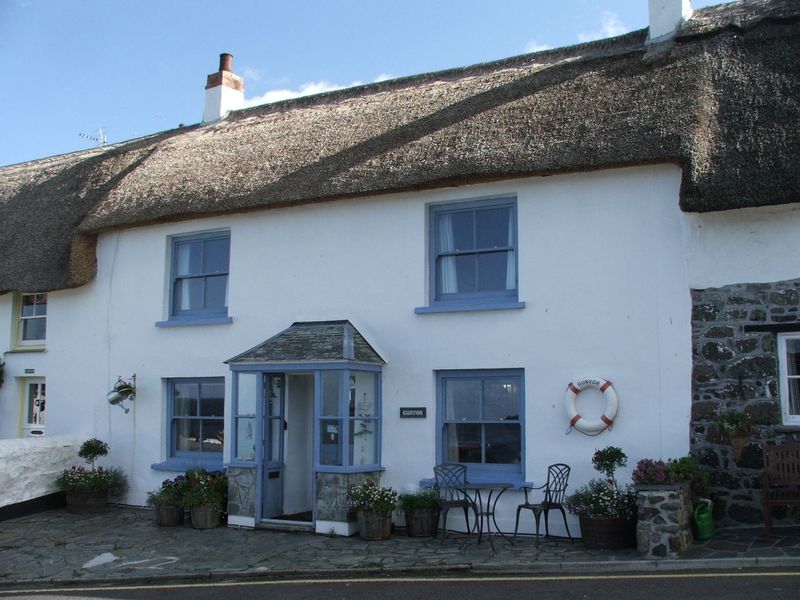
x,y
484,497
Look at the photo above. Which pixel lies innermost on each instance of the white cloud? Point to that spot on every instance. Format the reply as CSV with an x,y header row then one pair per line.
x,y
251,74
305,89
534,46
611,26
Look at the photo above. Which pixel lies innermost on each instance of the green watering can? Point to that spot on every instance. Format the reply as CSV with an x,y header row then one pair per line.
x,y
703,521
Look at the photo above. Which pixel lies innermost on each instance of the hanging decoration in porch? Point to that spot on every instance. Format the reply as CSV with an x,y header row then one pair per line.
x,y
582,424
123,390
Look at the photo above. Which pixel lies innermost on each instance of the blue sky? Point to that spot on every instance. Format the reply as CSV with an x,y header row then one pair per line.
x,y
135,67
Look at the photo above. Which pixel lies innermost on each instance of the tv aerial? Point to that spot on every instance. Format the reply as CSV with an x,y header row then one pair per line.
x,y
100,139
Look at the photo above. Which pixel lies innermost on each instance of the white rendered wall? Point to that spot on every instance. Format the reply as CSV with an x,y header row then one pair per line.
x,y
30,466
754,245
602,270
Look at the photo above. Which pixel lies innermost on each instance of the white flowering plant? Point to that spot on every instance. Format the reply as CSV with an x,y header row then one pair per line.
x,y
602,498
369,497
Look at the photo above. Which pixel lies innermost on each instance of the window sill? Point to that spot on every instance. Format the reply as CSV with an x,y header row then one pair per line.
x,y
192,321
24,349
241,464
356,469
181,465
444,307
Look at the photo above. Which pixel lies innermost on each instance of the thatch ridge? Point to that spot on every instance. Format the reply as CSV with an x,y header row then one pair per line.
x,y
720,100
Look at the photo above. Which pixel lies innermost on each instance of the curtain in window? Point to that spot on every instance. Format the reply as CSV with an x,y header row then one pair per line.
x,y
448,278
511,264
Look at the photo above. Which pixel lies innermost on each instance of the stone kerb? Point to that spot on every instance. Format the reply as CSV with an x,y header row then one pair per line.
x,y
664,527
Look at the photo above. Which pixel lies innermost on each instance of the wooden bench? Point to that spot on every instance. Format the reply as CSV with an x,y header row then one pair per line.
x,y
781,485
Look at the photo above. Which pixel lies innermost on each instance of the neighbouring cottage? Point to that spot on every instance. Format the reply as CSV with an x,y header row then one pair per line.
x,y
290,283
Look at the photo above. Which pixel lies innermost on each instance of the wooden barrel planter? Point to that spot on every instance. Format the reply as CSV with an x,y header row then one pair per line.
x,y
168,515
205,516
374,526
422,522
607,533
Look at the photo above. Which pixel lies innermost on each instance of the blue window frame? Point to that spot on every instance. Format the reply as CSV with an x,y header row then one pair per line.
x,y
196,413
199,277
480,422
473,254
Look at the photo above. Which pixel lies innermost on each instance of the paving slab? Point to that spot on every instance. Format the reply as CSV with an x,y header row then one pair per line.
x,y
125,545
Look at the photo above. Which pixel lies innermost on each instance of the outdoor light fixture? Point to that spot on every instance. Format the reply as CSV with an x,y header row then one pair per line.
x,y
123,390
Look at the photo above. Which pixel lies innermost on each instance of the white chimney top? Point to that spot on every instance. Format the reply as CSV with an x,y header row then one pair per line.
x,y
224,91
665,18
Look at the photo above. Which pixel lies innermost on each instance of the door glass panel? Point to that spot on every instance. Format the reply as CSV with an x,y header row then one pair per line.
x,y
274,396
793,356
36,403
331,387
245,438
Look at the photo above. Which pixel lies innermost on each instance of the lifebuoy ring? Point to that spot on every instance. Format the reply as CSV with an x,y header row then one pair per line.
x,y
591,426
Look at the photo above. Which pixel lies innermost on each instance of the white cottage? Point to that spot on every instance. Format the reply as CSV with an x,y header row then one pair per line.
x,y
368,282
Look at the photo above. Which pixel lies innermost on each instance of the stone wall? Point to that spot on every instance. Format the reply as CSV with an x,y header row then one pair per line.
x,y
30,466
736,368
332,489
664,526
242,491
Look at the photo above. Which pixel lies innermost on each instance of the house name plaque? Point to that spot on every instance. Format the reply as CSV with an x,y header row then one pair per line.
x,y
413,412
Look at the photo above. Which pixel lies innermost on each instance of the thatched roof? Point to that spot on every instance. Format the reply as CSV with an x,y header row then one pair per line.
x,y
721,101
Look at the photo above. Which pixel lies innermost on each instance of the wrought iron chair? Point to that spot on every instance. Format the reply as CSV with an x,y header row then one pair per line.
x,y
554,490
449,477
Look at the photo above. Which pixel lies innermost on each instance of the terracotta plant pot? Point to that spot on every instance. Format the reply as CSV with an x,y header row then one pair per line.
x,y
86,502
205,517
169,515
606,533
374,526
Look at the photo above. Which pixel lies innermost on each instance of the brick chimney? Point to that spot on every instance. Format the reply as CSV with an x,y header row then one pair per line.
x,y
224,90
665,18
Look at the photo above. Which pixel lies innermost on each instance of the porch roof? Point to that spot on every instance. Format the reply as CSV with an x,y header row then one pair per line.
x,y
315,341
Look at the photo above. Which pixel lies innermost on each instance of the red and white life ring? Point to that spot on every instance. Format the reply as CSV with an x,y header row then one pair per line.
x,y
591,426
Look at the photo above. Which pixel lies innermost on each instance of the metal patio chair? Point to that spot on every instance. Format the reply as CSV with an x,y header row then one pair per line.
x,y
554,490
449,476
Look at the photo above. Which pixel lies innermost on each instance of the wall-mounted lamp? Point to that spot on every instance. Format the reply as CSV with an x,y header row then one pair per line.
x,y
123,390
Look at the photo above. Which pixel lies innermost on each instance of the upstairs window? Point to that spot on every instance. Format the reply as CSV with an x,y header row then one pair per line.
x,y
32,324
789,367
200,265
473,257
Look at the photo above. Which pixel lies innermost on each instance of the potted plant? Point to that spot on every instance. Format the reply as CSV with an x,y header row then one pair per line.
x,y
421,510
206,496
738,427
373,505
87,490
168,501
607,512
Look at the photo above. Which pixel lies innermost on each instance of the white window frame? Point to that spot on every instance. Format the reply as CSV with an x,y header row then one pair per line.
x,y
20,319
783,373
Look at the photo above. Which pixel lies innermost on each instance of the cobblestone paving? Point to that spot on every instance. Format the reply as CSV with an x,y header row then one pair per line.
x,y
125,543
